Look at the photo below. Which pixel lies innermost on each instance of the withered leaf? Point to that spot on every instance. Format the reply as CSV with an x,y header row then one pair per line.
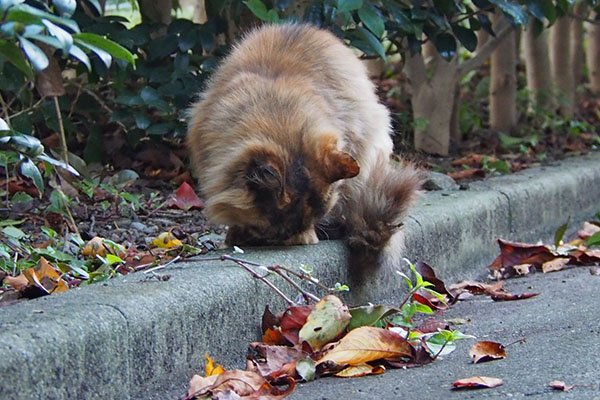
x,y
354,371
272,362
428,274
366,344
477,382
241,382
554,265
560,385
504,296
212,368
269,320
486,351
293,320
98,246
166,240
472,160
516,253
185,198
325,323
467,173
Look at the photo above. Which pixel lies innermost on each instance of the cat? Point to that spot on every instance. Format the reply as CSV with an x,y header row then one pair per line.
x,y
289,138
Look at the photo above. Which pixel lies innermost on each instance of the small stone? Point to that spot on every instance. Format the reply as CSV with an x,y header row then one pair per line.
x,y
438,181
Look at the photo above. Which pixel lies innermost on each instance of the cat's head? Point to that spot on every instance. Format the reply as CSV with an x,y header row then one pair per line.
x,y
277,194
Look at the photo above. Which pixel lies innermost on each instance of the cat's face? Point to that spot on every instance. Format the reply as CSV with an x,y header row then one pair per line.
x,y
285,194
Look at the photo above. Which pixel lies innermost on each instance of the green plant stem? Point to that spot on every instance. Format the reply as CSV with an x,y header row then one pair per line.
x,y
440,351
63,137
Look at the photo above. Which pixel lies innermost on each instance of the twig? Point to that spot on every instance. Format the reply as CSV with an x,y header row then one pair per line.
x,y
174,260
63,137
25,110
440,351
306,294
5,109
522,340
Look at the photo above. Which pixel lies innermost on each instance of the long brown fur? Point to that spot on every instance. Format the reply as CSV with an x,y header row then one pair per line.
x,y
290,135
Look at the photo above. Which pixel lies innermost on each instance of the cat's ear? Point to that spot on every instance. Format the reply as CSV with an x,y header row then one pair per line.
x,y
264,174
340,165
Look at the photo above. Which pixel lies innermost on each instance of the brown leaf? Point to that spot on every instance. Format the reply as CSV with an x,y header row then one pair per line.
x,y
185,198
366,344
504,296
273,362
516,253
477,382
49,82
560,385
431,325
419,357
595,271
486,351
428,274
269,320
354,371
325,323
588,230
19,283
467,173
241,382
292,321
273,336
554,265
585,256
472,160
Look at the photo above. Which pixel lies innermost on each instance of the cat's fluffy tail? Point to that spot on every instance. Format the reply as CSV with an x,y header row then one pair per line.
x,y
374,209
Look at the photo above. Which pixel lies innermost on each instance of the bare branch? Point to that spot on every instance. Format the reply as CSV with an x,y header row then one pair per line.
x,y
488,47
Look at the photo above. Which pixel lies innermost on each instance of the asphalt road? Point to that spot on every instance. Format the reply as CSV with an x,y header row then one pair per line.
x,y
562,331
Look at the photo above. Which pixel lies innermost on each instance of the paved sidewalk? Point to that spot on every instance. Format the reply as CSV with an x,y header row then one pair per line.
x,y
562,332
133,339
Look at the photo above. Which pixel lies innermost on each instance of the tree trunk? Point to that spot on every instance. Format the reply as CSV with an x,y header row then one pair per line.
x,y
156,11
576,44
503,84
561,69
537,66
432,103
593,56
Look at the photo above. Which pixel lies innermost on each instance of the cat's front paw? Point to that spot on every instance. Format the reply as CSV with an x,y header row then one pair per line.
x,y
306,237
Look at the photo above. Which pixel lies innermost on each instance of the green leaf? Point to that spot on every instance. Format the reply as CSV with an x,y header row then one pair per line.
x,y
369,315
30,15
112,48
593,240
21,197
11,222
12,53
371,19
65,8
372,41
258,8
31,171
142,121
560,232
104,56
513,11
445,45
81,56
348,5
58,163
64,38
467,37
35,55
13,232
424,309
3,125
273,16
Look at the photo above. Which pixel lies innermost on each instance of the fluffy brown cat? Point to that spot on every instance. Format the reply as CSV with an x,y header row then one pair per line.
x,y
289,136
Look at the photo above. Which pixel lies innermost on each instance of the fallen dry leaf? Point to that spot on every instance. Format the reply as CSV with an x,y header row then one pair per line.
x,y
273,362
477,382
293,320
366,344
560,385
466,173
38,281
428,275
486,351
98,246
19,283
185,198
554,265
517,253
595,271
472,160
212,368
166,240
504,296
588,230
354,371
241,382
325,323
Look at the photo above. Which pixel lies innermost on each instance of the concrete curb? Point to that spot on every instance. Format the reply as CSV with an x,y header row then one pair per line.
x,y
133,339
